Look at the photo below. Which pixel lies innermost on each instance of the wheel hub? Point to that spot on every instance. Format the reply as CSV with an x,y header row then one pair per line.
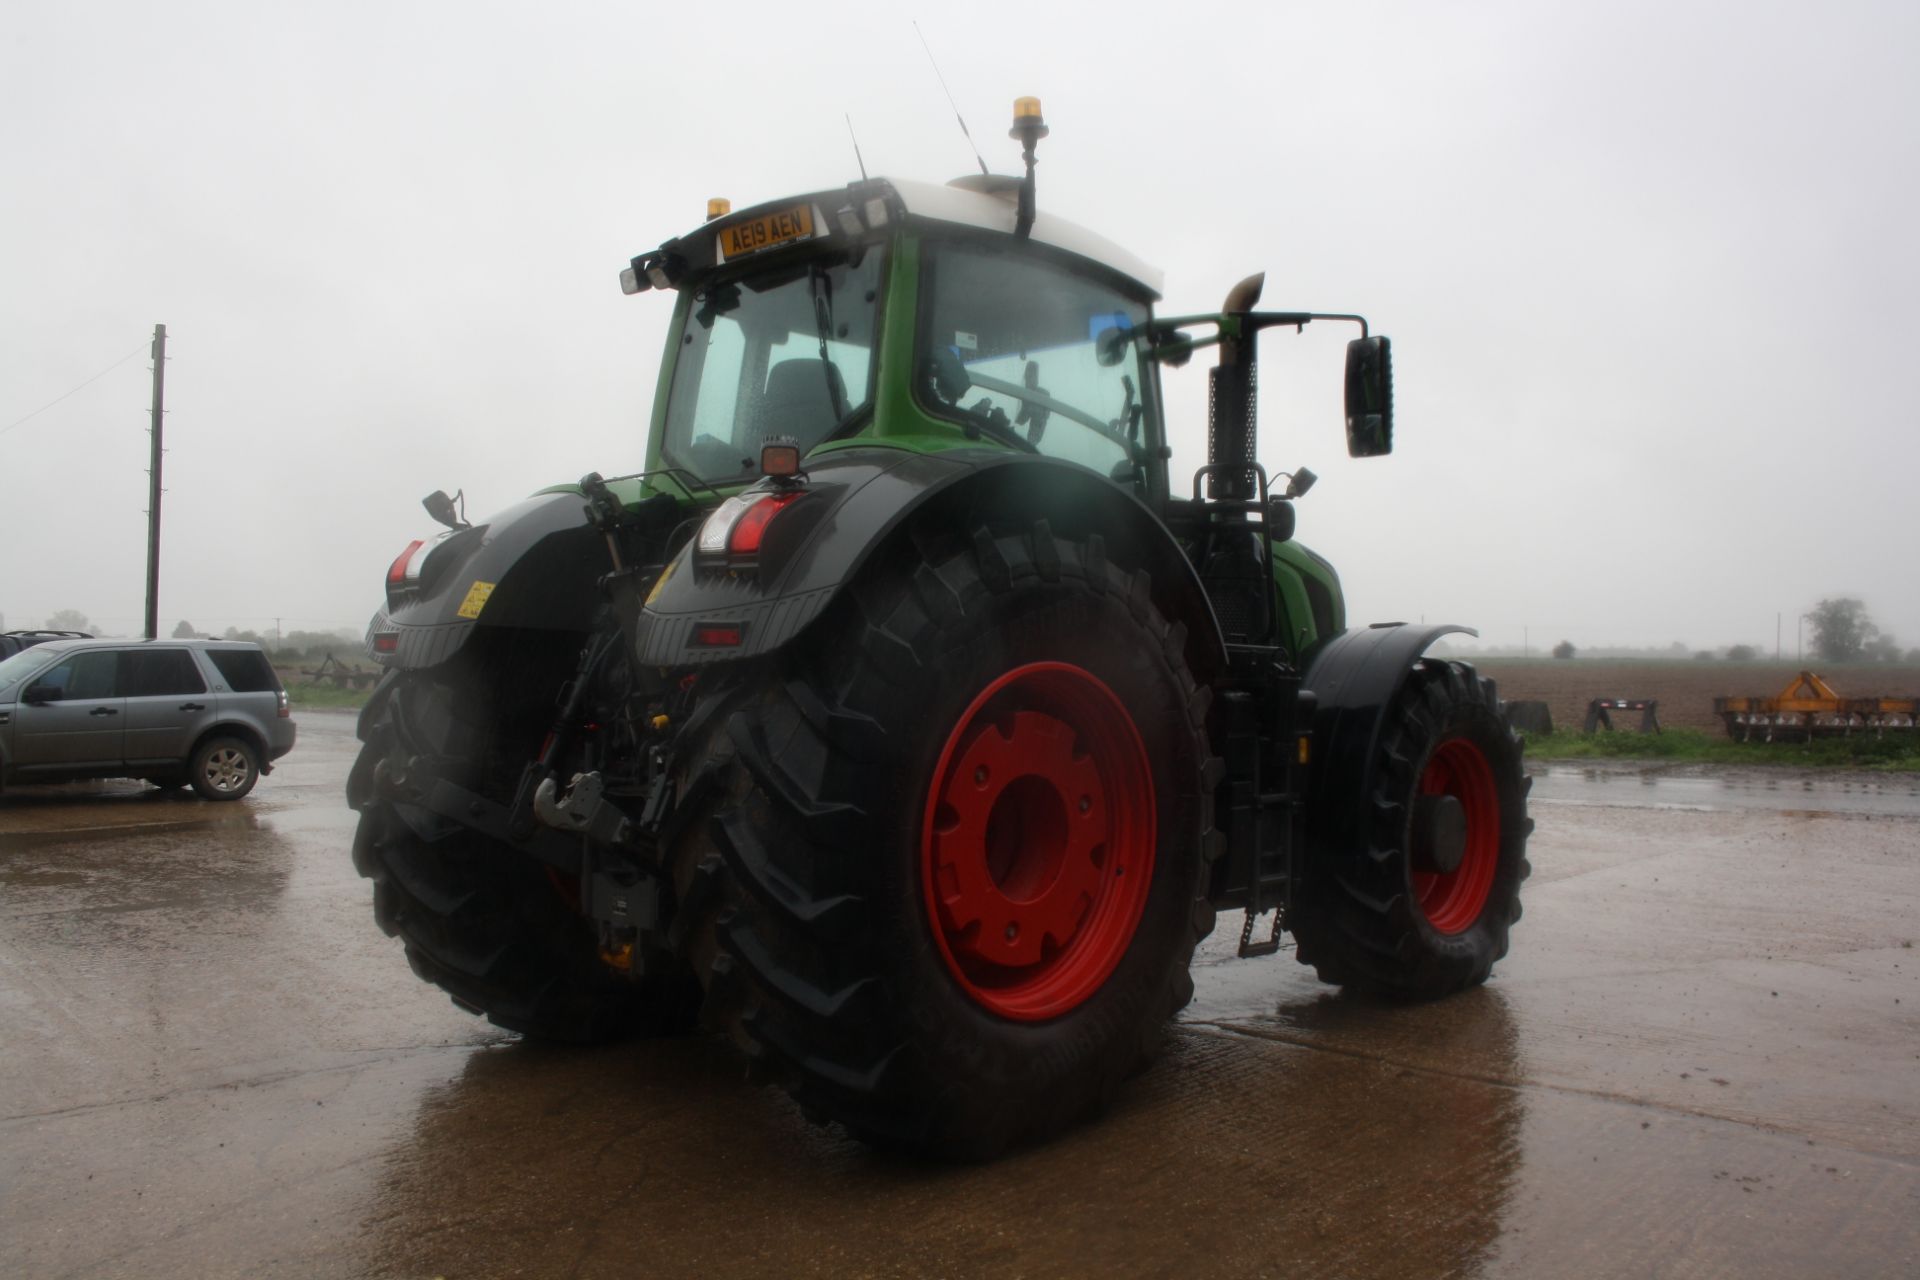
x,y
1037,850
1018,841
1455,836
1439,833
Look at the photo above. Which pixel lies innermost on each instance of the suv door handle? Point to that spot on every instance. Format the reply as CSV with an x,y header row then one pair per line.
x,y
103,711
192,706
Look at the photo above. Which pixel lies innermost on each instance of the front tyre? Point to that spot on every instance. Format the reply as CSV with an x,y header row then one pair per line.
x,y
1424,909
944,870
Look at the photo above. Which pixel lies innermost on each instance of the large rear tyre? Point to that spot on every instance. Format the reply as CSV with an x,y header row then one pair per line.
x,y
1425,908
485,922
942,872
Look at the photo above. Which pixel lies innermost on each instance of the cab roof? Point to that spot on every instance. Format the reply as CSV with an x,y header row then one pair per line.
x,y
964,203
978,201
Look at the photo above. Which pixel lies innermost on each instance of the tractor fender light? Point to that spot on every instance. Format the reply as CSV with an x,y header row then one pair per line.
x,y
397,572
386,641
738,525
407,567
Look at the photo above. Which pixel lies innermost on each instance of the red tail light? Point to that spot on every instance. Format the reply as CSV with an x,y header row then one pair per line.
x,y
737,526
285,712
397,571
752,526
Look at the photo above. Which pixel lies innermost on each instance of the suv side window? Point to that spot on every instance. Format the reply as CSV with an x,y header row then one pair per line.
x,y
152,673
84,676
246,670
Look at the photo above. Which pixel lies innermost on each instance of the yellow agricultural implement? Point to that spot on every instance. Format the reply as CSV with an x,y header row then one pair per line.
x,y
1810,708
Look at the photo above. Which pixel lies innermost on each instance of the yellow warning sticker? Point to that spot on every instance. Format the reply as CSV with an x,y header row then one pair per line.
x,y
476,599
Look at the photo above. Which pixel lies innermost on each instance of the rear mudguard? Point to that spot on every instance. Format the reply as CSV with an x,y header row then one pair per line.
x,y
857,501
1355,677
535,565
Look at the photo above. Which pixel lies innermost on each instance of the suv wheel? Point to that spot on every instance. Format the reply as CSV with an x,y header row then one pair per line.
x,y
224,769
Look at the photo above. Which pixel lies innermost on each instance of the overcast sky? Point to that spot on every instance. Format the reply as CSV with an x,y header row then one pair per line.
x,y
1649,269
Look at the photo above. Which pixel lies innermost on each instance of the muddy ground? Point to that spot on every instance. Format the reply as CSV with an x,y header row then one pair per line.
x,y
1701,1059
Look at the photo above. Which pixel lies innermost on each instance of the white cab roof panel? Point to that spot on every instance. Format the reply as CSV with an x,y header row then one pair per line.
x,y
995,213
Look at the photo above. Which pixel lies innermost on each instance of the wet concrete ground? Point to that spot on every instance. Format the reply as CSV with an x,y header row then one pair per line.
x,y
1702,1059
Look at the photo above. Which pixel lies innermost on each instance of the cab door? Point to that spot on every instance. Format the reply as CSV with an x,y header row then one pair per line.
x,y
167,704
85,726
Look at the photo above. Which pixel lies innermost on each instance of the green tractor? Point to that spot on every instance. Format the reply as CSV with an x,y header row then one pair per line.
x,y
902,719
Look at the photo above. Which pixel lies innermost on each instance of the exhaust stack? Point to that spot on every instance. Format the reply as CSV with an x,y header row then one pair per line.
x,y
1232,397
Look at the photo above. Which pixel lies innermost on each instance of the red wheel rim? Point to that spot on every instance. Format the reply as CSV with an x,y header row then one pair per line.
x,y
1037,843
1452,900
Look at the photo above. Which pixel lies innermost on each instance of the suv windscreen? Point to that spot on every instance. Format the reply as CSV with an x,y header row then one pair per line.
x,y
787,352
17,667
1014,340
153,673
246,670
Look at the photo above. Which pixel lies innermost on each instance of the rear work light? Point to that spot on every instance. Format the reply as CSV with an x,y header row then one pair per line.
x,y
738,525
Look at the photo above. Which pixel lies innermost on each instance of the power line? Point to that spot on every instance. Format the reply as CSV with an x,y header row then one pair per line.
x,y
82,387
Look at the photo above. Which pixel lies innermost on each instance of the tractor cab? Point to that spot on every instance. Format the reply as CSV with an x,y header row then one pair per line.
x,y
905,315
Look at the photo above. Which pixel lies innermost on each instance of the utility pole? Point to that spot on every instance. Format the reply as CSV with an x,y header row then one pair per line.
x,y
153,487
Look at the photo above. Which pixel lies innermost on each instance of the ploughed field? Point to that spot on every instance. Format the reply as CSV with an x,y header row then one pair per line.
x,y
1685,687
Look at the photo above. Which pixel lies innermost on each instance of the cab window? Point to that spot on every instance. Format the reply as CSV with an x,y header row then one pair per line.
x,y
785,351
1013,342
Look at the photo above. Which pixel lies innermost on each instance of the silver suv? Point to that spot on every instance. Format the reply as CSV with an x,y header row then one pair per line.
x,y
205,713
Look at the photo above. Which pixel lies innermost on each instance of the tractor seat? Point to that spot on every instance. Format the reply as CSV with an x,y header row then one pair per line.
x,y
799,401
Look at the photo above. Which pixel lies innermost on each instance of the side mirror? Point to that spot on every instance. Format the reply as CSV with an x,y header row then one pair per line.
x,y
39,695
1369,397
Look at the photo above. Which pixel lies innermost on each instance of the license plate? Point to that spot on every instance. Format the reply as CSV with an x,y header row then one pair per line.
x,y
766,232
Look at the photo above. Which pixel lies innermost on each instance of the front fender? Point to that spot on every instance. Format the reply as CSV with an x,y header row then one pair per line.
x,y
860,499
1354,678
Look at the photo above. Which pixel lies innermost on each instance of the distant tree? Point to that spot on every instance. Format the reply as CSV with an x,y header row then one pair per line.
x,y
1741,653
1913,657
184,630
1564,649
1841,629
1882,648
69,620
235,633
1703,655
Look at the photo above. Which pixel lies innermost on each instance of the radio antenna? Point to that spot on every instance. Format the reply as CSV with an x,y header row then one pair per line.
x,y
965,132
856,147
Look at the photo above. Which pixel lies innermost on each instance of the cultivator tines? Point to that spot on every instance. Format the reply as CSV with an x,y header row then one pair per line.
x,y
1810,708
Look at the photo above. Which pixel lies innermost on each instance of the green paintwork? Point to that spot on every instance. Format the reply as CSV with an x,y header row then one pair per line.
x,y
1293,566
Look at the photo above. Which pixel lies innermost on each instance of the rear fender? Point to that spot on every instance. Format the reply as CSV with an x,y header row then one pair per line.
x,y
535,565
1355,677
859,501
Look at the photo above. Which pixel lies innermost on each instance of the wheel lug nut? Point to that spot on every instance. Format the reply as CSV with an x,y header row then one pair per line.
x,y
1086,803
980,776
1013,931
